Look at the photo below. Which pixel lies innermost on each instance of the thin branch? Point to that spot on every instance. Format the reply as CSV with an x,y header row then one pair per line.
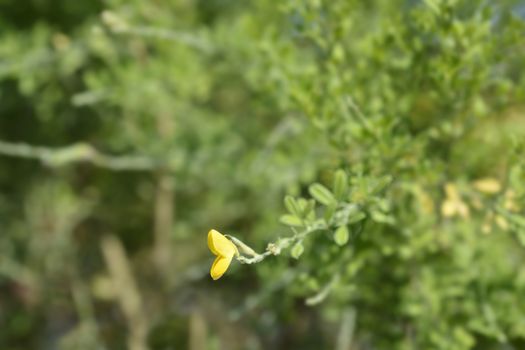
x,y
361,118
127,292
18,272
78,153
198,331
276,247
346,331
323,293
118,25
171,35
269,289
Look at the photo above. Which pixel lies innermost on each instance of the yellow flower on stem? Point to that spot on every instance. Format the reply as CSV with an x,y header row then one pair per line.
x,y
487,185
453,205
224,249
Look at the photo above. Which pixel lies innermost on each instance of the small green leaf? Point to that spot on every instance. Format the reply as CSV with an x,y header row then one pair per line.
x,y
322,194
310,206
516,219
433,5
356,217
291,220
292,206
521,237
382,204
297,250
377,216
329,212
343,214
341,235
302,204
311,216
340,184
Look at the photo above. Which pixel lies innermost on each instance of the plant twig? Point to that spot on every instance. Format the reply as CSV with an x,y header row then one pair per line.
x,y
78,153
18,272
119,26
168,34
127,292
361,118
253,301
323,293
277,247
198,331
346,331
163,222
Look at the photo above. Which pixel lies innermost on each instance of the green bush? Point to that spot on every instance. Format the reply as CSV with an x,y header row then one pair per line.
x,y
370,152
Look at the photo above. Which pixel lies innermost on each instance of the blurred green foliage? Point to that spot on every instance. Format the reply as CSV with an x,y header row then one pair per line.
x,y
393,129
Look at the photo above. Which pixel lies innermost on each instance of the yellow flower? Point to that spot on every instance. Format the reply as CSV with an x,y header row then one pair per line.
x,y
453,205
487,185
224,249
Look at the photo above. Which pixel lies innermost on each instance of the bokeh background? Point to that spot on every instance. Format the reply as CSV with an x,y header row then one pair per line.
x,y
395,129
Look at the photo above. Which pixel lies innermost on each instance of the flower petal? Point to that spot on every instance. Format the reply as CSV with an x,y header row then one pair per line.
x,y
219,267
210,242
220,245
